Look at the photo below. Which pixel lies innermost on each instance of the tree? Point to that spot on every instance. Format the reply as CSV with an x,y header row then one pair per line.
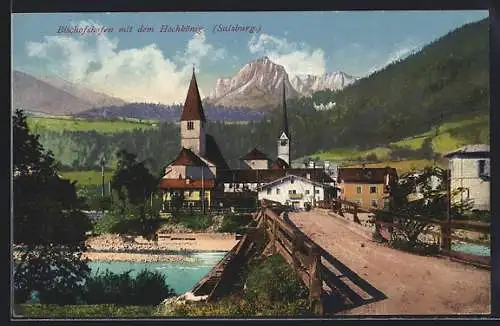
x,y
412,210
135,186
49,228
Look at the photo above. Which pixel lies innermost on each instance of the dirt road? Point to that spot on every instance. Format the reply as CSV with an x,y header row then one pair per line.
x,y
412,284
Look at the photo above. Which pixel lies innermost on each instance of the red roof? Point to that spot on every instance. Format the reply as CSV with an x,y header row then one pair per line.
x,y
183,184
280,164
366,175
255,154
193,110
187,157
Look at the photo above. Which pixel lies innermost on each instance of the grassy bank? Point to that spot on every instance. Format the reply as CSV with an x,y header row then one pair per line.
x,y
88,178
82,311
73,124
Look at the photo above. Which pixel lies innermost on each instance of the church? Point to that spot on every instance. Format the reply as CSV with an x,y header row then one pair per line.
x,y
199,177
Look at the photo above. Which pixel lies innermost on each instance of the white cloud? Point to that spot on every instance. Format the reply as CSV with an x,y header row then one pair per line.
x,y
297,58
136,74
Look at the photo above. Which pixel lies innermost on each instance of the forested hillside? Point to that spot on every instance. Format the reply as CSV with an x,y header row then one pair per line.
x,y
447,81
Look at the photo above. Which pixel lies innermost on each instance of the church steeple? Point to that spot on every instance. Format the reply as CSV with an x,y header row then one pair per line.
x,y
193,109
193,135
284,123
284,136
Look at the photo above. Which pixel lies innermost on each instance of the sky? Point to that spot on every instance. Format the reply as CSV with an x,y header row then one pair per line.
x,y
155,66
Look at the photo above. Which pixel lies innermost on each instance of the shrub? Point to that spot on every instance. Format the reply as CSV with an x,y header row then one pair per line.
x,y
272,280
82,311
147,288
234,223
420,248
372,157
195,221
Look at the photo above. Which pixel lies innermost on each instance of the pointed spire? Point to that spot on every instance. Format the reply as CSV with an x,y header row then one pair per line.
x,y
193,109
284,126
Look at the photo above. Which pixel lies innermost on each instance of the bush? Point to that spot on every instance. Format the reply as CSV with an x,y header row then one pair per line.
x,y
272,281
194,222
83,311
234,223
420,248
147,288
372,157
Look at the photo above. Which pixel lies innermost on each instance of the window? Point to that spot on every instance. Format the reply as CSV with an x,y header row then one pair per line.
x,y
190,125
284,142
374,203
481,167
230,185
373,189
292,180
277,191
317,191
269,191
307,192
292,192
358,189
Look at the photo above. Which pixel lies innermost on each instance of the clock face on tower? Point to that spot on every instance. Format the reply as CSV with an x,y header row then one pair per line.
x,y
284,142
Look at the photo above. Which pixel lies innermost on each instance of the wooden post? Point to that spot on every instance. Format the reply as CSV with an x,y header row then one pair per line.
x,y
315,281
445,227
356,219
273,239
297,242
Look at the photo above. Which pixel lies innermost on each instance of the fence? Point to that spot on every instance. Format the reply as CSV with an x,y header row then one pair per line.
x,y
386,221
297,250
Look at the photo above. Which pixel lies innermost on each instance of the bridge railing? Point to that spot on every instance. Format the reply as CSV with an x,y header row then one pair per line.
x,y
298,251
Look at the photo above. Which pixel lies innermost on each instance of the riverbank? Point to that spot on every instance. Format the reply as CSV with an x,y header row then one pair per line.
x,y
114,247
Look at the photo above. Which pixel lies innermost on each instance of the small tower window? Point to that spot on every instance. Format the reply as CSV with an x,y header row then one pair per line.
x,y
284,142
190,125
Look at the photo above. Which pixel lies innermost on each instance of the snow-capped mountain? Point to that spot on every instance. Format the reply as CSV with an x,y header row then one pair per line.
x,y
308,84
259,84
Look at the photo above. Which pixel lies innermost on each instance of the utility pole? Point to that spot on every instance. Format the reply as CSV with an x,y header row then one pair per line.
x,y
202,194
314,183
102,175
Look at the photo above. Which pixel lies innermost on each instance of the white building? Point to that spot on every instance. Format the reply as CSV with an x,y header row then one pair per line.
x,y
294,191
470,170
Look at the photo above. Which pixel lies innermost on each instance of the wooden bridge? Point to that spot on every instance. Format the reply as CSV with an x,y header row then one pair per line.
x,y
347,273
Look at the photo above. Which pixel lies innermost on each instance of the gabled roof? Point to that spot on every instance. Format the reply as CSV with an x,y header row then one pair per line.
x,y
254,154
193,109
213,153
183,184
289,176
479,150
279,164
366,175
265,175
187,157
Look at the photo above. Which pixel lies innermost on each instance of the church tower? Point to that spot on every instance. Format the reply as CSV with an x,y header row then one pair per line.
x,y
284,138
193,135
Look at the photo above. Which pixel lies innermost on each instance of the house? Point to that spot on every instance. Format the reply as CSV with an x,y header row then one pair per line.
x,y
470,170
249,180
369,187
295,191
255,159
192,174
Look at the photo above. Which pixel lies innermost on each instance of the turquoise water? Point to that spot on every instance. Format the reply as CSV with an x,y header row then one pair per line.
x,y
181,277
473,249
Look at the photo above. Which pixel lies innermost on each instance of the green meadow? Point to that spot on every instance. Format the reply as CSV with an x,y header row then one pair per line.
x,y
87,178
74,124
